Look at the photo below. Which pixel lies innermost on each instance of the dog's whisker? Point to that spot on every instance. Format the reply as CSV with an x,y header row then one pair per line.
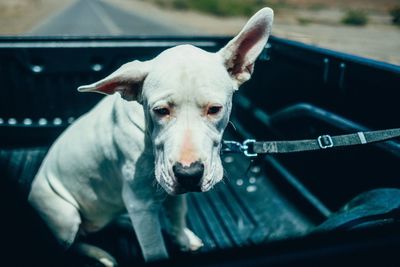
x,y
154,183
225,173
159,188
233,125
222,180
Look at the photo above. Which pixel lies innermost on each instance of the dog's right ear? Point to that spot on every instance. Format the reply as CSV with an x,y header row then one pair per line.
x,y
127,80
242,51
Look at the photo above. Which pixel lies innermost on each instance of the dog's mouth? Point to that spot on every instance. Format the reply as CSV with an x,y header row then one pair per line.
x,y
177,189
166,178
174,188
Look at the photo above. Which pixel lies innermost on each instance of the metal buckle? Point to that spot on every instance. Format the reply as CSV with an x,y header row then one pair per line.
x,y
325,141
245,148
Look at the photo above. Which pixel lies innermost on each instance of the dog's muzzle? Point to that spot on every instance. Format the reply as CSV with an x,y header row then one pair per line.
x,y
189,177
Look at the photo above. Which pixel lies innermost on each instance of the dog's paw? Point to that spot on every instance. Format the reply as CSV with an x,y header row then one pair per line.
x,y
108,262
195,242
93,256
187,240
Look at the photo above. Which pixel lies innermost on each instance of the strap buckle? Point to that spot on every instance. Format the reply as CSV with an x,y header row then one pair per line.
x,y
247,145
236,147
325,141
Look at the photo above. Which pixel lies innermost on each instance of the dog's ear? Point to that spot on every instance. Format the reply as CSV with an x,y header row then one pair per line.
x,y
242,51
127,80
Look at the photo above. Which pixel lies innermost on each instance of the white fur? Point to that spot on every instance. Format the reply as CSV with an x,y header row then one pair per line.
x,y
105,163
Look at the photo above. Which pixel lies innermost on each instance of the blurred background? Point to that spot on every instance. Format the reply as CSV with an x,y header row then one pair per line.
x,y
369,28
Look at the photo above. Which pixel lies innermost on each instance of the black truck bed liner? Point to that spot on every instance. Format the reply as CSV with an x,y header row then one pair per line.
x,y
297,91
246,208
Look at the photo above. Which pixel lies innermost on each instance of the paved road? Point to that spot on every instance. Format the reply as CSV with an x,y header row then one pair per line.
x,y
96,17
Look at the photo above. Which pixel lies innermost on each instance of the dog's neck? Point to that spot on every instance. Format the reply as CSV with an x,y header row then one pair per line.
x,y
130,133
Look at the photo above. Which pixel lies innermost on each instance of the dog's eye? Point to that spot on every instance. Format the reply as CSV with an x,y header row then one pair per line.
x,y
160,111
214,110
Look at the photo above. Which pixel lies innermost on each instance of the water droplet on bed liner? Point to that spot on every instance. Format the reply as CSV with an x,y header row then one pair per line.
x,y
12,121
42,121
251,188
27,121
239,182
57,121
255,169
71,120
228,159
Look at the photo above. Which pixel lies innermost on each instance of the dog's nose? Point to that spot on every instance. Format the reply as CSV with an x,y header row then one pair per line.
x,y
189,177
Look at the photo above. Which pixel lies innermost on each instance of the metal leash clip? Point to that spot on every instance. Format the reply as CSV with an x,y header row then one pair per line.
x,y
248,145
236,147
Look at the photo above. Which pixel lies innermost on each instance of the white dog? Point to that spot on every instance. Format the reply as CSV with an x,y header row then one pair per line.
x,y
167,122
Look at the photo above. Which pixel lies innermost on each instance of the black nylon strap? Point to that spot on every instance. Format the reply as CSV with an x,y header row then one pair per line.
x,y
322,142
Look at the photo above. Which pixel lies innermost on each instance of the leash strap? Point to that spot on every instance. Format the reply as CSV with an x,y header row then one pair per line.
x,y
252,148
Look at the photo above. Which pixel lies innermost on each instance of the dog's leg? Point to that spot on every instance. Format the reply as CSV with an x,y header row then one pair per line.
x,y
64,221
176,210
61,216
95,253
143,207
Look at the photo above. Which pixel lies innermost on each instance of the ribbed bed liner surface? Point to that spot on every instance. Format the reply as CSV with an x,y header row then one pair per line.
x,y
245,208
21,165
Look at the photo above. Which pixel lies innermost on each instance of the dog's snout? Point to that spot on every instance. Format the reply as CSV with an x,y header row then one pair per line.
x,y
189,177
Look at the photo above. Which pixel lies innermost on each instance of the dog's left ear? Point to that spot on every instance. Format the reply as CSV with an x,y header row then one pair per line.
x,y
127,80
242,51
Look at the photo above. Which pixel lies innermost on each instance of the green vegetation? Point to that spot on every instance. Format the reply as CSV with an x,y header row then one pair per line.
x,y
317,6
161,3
222,7
395,13
355,17
304,21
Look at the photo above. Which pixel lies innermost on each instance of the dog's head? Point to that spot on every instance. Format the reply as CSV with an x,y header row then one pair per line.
x,y
186,94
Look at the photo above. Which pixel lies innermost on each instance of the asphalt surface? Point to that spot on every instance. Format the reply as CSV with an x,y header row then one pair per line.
x,y
97,17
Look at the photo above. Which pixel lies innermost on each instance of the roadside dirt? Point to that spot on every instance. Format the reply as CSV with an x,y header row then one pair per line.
x,y
315,23
19,16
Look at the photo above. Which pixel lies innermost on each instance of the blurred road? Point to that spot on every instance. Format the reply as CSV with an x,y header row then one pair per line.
x,y
96,17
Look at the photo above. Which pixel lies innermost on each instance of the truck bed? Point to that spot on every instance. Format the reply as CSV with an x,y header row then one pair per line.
x,y
245,209
271,204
